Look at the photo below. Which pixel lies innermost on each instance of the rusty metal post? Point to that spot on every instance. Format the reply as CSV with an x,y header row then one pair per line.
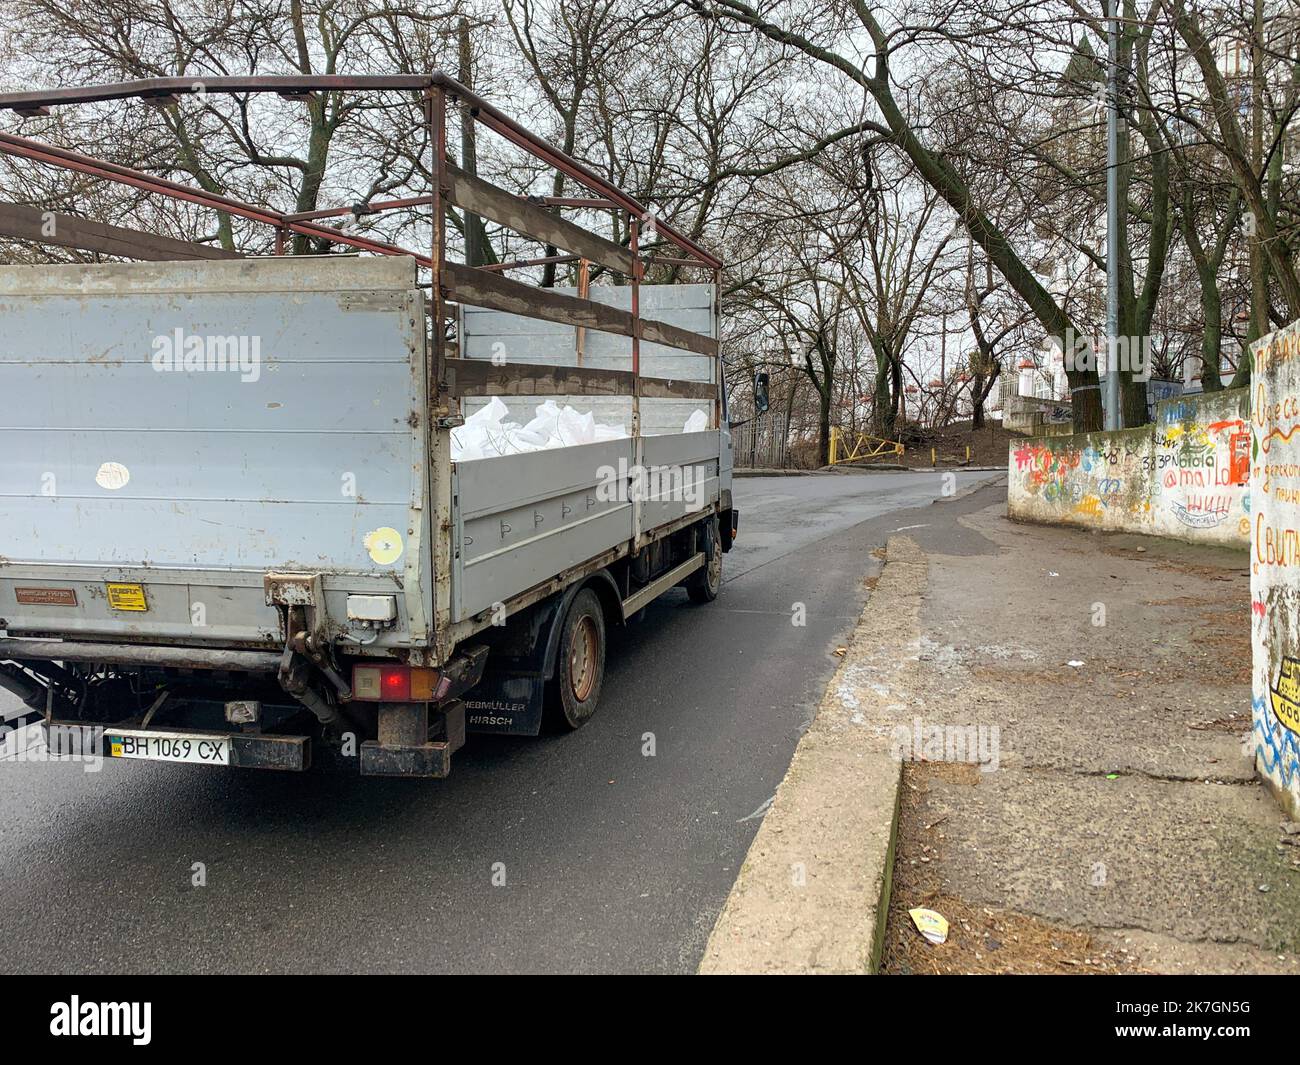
x,y
439,400
584,292
638,455
279,240
717,359
436,103
634,238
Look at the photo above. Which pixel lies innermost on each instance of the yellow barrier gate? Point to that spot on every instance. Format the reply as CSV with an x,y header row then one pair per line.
x,y
858,447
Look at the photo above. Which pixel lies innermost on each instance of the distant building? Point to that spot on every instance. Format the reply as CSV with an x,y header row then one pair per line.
x,y
1030,401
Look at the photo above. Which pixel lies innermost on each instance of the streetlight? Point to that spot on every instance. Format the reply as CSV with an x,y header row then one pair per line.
x,y
1114,418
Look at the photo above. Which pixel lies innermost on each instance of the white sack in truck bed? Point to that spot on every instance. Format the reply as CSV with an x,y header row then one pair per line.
x,y
490,433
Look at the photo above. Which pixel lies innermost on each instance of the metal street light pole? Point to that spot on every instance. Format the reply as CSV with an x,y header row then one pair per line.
x,y
1114,418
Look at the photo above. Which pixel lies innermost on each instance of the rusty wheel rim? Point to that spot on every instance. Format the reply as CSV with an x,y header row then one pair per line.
x,y
582,658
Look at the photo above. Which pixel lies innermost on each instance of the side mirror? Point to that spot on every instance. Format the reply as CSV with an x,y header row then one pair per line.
x,y
760,393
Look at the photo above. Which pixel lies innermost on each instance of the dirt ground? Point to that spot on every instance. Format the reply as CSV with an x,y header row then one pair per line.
x,y
988,446
981,940
1118,826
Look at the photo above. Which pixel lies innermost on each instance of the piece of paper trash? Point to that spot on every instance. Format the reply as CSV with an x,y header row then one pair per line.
x,y
1074,662
934,926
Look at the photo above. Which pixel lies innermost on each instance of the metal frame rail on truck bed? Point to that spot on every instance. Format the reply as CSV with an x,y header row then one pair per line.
x,y
197,588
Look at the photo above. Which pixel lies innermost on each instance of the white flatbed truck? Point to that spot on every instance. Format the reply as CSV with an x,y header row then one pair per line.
x,y
233,530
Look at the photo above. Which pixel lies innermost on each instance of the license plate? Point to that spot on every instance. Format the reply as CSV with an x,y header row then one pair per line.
x,y
169,747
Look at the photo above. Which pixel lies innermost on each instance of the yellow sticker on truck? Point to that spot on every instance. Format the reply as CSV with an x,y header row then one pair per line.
x,y
126,597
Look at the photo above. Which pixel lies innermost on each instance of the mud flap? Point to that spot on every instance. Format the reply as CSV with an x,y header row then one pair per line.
x,y
507,704
729,528
508,700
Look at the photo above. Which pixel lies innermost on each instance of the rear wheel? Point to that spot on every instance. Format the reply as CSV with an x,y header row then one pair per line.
x,y
574,692
706,582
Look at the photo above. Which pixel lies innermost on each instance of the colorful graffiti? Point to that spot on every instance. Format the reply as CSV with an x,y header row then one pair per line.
x,y
1275,562
1186,475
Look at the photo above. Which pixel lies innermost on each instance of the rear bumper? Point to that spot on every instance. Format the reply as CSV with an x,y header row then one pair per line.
x,y
394,758
430,760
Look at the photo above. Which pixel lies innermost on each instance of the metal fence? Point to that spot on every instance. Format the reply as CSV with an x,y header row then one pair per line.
x,y
761,442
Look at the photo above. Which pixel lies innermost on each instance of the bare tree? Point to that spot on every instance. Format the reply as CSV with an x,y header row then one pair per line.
x,y
238,145
815,30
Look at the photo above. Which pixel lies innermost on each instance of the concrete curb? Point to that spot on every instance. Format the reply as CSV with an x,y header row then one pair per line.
x,y
894,468
813,893
830,470
971,489
762,471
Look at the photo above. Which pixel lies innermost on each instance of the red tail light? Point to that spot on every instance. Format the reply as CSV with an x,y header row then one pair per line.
x,y
398,684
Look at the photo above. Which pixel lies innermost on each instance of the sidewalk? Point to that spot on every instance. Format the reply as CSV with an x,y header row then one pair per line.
x,y
1123,828
1080,799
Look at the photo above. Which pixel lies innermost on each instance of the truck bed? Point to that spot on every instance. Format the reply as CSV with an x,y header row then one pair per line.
x,y
194,484
540,513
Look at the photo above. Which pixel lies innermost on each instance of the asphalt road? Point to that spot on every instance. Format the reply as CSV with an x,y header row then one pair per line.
x,y
612,860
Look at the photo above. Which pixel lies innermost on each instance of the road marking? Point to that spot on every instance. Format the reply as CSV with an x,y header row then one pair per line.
x,y
906,527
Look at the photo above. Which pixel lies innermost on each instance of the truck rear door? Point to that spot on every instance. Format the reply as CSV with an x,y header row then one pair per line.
x,y
173,432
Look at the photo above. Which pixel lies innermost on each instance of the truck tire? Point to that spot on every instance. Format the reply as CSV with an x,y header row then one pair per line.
x,y
706,582
574,692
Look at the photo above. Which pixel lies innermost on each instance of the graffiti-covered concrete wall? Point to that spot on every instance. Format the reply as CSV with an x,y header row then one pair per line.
x,y
1185,476
1275,562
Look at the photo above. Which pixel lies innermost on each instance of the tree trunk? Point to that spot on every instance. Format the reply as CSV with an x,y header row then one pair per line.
x,y
1212,338
824,427
476,238
896,392
1133,400
882,408
980,388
